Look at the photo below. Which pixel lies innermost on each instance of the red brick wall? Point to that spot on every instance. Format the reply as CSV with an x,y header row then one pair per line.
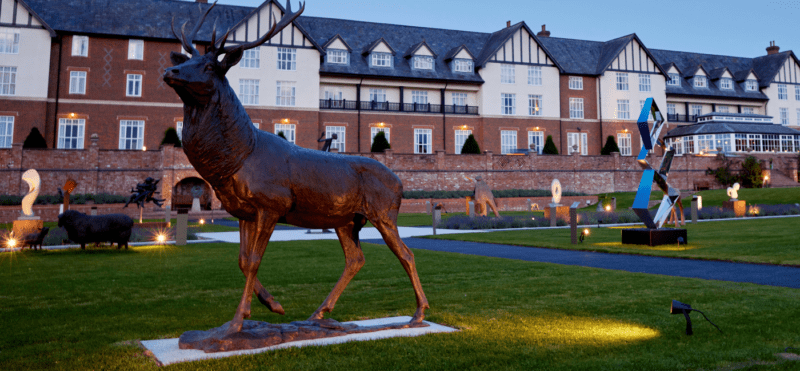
x,y
27,115
589,95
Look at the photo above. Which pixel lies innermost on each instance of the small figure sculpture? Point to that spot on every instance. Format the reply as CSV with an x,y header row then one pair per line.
x,y
34,182
144,193
483,197
733,192
327,146
82,228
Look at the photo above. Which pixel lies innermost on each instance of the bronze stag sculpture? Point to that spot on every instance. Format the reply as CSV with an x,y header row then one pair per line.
x,y
263,180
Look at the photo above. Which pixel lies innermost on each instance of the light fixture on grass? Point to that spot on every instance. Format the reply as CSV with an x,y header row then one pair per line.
x,y
202,221
161,238
681,308
11,242
584,233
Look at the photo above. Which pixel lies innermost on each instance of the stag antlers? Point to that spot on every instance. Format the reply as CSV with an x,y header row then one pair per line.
x,y
218,47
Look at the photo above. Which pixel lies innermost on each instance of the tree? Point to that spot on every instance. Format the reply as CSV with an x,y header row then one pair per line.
x,y
34,140
280,134
752,174
379,143
549,146
611,146
470,146
171,137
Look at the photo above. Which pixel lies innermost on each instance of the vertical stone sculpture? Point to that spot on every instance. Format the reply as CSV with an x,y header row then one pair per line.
x,y
29,223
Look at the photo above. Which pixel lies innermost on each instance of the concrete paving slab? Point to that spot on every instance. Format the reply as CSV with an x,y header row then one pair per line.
x,y
365,234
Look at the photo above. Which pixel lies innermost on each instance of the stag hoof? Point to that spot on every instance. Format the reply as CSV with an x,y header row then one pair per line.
x,y
418,316
317,316
270,303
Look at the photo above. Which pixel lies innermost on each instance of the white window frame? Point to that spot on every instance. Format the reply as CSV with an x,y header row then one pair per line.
x,y
459,99
644,82
536,138
335,98
462,65
249,91
459,138
337,56
725,142
580,139
726,83
623,109
749,110
674,79
508,141
723,109
131,134
74,139
783,92
535,105
381,60
287,59
671,108
783,113
797,92
9,41
377,95
373,131
624,144
251,58
133,87
8,80
576,108
285,94
798,117
750,85
179,129
339,142
289,131
423,139
77,82
535,76
419,97
787,143
135,49
507,74
706,143
80,46
622,81
700,81
508,104
576,83
6,131
423,62
696,109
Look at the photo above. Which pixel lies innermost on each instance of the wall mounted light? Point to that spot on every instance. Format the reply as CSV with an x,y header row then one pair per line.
x,y
681,308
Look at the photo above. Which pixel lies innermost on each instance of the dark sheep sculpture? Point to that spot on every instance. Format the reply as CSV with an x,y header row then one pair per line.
x,y
82,228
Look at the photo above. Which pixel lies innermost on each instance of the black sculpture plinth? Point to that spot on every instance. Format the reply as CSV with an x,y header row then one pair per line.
x,y
653,237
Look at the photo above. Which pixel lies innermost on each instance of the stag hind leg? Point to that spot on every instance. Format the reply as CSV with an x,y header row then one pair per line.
x,y
354,260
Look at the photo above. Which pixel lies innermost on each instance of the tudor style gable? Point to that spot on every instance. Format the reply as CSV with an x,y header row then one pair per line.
x,y
25,41
628,54
516,44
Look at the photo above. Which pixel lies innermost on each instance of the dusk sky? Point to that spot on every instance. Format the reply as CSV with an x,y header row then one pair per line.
x,y
737,28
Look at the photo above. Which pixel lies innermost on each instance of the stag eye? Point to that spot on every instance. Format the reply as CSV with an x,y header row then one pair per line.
x,y
209,68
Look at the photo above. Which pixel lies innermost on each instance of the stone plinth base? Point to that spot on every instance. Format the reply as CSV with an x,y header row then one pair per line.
x,y
24,226
195,205
739,207
653,237
562,212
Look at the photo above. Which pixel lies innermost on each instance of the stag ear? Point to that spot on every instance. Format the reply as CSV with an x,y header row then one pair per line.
x,y
178,58
231,58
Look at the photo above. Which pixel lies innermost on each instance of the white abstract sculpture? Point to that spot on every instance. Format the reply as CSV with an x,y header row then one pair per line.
x,y
733,192
32,178
555,188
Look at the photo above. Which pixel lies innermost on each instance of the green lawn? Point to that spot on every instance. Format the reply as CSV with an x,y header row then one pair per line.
x,y
772,241
715,197
83,310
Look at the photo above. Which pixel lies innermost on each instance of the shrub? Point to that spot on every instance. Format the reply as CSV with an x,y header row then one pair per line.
x,y
549,146
496,193
379,143
76,199
751,176
171,137
471,146
611,146
34,140
723,174
280,134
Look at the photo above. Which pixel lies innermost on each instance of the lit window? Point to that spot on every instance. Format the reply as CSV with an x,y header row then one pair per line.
x,y
644,82
724,141
751,85
80,46
460,138
622,81
131,134
784,115
507,74
623,109
419,97
576,108
459,99
754,142
8,80
374,131
136,49
726,83
251,58
535,105
700,81
624,141
749,110
576,83
337,143
285,94
576,142
462,65
535,75
674,79
287,130
381,60
77,82
508,103
336,56
787,143
9,41
287,59
536,141
423,62
70,133
134,85
783,92
705,143
422,141
248,91
6,131
508,141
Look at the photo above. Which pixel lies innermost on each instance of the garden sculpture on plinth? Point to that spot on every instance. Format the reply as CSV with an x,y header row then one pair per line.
x,y
483,197
28,223
733,192
263,180
327,146
69,186
144,193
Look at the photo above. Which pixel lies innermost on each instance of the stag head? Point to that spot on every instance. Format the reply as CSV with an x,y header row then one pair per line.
x,y
196,78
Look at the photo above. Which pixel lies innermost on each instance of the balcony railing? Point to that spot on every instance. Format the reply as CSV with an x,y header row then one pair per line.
x,y
674,117
345,104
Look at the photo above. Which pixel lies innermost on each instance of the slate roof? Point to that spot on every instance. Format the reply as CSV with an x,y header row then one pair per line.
x,y
726,125
583,57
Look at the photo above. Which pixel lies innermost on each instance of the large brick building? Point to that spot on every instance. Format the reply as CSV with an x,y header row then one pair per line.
x,y
77,68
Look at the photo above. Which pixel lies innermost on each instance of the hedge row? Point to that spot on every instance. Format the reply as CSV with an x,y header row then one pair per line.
x,y
77,199
496,193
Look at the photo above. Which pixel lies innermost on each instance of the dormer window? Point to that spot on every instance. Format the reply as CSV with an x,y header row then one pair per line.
x,y
726,83
700,81
423,62
381,60
462,65
674,79
337,56
750,85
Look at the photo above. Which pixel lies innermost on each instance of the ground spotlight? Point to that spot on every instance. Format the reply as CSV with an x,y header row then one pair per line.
x,y
681,308
161,238
202,221
11,243
584,234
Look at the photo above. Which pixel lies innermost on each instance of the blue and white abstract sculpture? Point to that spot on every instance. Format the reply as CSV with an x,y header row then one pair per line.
x,y
649,139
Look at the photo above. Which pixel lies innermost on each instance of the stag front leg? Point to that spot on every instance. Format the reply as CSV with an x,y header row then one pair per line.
x,y
354,260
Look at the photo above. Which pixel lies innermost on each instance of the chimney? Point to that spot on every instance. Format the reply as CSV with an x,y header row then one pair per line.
x,y
543,32
508,24
773,49
202,1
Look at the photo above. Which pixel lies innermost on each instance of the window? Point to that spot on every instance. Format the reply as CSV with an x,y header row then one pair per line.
x,y
419,97
288,131
534,75
644,82
460,99
6,131
459,138
576,108
535,105
750,85
723,109
422,141
257,125
770,142
697,110
131,134
741,142
333,95
507,74
337,56
700,81
787,143
677,145
724,142
8,80
337,143
670,108
798,117
622,81
70,133
705,143
248,91
287,59
726,83
80,46
374,131
783,93
77,82
674,79
134,85
462,65
641,105
754,142
508,103
536,141
381,60
423,62
251,58
179,129
9,41
688,144
797,92
784,115
136,49
749,110
508,141
377,95
624,140
576,142
576,83
623,109
285,94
